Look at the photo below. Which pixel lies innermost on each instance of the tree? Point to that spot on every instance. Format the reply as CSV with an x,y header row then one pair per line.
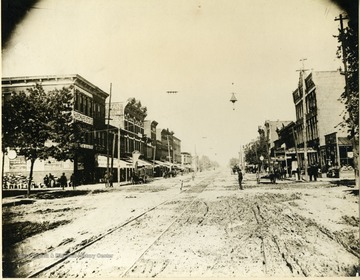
x,y
233,162
39,125
255,149
349,50
206,164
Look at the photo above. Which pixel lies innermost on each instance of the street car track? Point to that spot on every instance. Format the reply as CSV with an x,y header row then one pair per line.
x,y
199,188
166,229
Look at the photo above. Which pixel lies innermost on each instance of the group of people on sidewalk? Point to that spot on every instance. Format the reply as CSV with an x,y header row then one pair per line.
x,y
50,181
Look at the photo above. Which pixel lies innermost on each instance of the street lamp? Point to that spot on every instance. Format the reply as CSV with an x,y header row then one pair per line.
x,y
233,99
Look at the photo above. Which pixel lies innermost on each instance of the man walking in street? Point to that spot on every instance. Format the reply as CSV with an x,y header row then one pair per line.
x,y
240,178
63,181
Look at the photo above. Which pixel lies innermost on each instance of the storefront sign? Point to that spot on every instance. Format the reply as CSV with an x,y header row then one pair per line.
x,y
17,164
81,117
102,161
87,146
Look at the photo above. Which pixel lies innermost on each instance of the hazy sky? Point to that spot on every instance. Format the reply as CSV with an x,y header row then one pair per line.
x,y
205,50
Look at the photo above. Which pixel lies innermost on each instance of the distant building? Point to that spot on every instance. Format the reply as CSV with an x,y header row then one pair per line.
x,y
186,159
269,131
130,117
150,133
168,147
176,150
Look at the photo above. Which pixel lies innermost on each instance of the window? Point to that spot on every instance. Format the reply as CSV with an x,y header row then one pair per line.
x,y
90,108
76,100
81,109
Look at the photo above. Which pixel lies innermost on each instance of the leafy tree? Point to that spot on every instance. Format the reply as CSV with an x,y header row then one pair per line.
x,y
233,162
206,164
255,149
39,125
349,51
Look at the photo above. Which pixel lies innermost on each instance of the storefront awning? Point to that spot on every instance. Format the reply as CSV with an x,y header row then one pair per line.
x,y
143,163
344,141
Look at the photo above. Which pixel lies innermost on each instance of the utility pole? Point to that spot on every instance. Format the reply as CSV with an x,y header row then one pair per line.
x,y
107,139
169,155
302,75
296,150
341,18
119,159
343,49
357,176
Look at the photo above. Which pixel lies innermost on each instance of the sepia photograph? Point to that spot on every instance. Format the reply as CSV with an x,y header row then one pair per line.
x,y
180,139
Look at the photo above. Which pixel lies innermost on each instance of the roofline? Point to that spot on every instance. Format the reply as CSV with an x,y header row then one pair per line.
x,y
73,77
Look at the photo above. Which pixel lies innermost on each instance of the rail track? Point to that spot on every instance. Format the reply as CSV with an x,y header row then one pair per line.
x,y
198,188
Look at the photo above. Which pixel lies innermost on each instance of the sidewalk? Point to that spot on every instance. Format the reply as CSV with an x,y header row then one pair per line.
x,y
21,198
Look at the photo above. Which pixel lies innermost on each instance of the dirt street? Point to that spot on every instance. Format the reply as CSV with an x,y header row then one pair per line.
x,y
209,228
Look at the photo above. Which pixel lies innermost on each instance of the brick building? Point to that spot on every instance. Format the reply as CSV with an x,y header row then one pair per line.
x,y
323,114
88,111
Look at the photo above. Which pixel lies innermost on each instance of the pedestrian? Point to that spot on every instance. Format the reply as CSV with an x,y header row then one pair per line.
x,y
111,179
315,171
310,172
63,181
46,181
240,178
51,180
72,181
106,179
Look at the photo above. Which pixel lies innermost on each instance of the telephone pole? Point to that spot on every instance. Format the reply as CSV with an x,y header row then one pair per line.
x,y
341,18
107,139
302,75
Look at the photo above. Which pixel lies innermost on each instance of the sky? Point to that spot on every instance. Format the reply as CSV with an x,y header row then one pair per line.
x,y
204,50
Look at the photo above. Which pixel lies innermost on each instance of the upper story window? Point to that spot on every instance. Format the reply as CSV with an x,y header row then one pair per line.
x,y
299,110
83,104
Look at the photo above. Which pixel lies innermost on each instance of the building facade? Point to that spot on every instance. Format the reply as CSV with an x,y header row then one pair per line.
x,y
88,111
323,112
186,159
176,150
150,132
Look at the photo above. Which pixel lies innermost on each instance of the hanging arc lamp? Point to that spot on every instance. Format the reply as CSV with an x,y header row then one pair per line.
x,y
233,100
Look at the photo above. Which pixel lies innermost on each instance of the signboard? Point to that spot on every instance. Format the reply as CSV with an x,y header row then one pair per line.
x,y
102,161
81,117
87,146
294,165
17,164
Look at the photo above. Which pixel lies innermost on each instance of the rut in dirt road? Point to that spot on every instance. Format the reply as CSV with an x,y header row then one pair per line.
x,y
137,234
247,235
210,228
